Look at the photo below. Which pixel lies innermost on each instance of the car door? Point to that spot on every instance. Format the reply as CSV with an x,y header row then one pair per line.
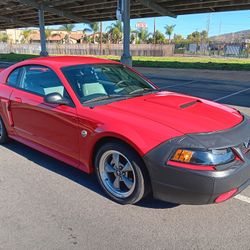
x,y
54,127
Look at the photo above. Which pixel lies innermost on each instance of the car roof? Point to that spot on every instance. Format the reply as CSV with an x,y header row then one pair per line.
x,y
64,61
55,62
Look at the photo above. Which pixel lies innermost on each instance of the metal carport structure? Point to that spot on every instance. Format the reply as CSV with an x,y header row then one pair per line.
x,y
27,13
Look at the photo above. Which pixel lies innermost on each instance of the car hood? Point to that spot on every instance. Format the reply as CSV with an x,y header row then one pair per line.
x,y
182,113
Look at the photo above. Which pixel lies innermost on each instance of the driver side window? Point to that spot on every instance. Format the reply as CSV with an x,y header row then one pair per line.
x,y
42,81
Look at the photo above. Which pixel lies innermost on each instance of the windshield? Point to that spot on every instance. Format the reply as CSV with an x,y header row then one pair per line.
x,y
98,82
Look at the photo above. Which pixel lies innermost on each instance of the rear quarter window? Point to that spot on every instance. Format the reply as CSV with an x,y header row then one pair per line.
x,y
13,78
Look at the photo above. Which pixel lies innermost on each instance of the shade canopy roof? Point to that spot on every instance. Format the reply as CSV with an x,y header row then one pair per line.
x,y
23,13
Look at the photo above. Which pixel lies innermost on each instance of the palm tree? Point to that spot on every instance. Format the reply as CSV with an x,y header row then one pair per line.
x,y
68,28
26,35
47,33
85,30
143,35
159,37
169,31
92,27
115,31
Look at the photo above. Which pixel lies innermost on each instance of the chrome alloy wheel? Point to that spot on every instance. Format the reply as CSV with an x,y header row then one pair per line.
x,y
117,174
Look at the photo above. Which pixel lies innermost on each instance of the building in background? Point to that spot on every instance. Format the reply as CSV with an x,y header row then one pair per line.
x,y
11,36
18,36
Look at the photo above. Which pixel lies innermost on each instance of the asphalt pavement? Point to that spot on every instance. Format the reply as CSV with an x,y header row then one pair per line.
x,y
46,204
223,91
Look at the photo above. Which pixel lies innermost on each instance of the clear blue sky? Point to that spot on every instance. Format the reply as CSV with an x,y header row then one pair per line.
x,y
224,22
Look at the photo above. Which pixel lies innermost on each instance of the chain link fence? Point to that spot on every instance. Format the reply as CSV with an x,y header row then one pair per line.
x,y
240,50
90,49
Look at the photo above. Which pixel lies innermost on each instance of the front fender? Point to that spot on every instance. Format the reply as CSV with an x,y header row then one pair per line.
x,y
141,138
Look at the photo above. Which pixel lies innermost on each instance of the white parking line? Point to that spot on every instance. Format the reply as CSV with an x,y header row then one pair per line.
x,y
242,198
181,84
233,94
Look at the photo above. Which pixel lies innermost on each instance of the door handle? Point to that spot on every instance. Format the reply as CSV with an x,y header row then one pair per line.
x,y
18,99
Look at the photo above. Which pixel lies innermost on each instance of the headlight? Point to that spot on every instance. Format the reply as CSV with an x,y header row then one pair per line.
x,y
199,157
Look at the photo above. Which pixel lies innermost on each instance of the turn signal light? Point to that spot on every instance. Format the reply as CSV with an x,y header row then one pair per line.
x,y
183,155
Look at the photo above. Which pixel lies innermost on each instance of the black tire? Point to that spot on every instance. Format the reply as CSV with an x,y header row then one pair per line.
x,y
3,133
142,183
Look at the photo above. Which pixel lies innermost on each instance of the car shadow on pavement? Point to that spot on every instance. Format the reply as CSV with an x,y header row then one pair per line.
x,y
86,180
150,202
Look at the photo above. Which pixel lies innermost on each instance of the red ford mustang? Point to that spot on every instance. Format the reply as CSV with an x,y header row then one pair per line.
x,y
99,115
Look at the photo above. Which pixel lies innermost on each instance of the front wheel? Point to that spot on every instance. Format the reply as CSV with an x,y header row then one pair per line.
x,y
121,173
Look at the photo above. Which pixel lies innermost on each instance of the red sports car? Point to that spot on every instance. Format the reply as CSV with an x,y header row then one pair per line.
x,y
101,116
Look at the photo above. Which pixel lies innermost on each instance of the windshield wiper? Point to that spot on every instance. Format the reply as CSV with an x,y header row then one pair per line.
x,y
143,90
105,97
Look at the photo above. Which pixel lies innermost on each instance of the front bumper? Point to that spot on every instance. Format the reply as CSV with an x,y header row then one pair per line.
x,y
184,186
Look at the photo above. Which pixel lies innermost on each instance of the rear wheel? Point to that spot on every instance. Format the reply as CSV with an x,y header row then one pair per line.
x,y
3,133
121,173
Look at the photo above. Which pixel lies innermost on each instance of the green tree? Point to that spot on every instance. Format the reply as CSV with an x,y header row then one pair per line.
x,y
26,36
104,38
204,36
94,28
143,35
194,37
178,39
169,30
159,37
86,30
115,32
133,38
47,33
68,28
3,37
180,44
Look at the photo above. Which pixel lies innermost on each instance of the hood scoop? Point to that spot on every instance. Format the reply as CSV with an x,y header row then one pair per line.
x,y
189,104
174,101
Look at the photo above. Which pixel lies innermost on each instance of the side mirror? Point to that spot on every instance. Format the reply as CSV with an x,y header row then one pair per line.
x,y
56,98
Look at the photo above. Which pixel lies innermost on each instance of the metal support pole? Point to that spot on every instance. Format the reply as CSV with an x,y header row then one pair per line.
x,y
101,38
42,31
126,57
